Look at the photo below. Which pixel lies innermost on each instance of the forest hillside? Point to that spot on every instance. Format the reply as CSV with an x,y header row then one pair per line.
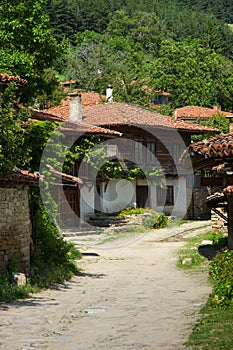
x,y
181,47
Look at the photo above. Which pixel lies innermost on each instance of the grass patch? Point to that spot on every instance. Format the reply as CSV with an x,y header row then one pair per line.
x,y
174,222
213,331
189,257
9,291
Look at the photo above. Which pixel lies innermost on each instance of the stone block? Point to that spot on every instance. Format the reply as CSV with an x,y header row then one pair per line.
x,y
187,261
19,279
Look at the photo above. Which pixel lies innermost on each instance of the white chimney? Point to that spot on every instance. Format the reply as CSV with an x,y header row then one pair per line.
x,y
217,108
75,112
109,96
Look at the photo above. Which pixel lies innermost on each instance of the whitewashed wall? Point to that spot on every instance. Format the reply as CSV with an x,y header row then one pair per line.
x,y
87,200
118,195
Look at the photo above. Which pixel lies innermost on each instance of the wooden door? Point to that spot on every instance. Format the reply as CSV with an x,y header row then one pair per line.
x,y
72,195
142,198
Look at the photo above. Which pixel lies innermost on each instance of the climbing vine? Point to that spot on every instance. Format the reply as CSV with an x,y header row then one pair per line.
x,y
88,150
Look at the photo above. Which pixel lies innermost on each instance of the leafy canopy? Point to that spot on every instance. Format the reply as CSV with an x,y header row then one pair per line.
x,y
193,74
27,45
12,132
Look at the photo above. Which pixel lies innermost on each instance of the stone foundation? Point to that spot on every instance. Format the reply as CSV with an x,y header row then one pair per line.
x,y
199,209
15,228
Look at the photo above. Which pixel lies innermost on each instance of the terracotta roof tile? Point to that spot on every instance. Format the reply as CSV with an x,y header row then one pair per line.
x,y
6,78
67,177
220,146
115,114
68,125
68,82
124,114
194,112
20,176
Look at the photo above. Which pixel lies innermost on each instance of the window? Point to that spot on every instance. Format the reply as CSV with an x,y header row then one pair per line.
x,y
165,196
150,156
138,152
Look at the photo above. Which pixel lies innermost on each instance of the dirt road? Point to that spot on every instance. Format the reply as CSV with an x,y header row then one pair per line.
x,y
129,296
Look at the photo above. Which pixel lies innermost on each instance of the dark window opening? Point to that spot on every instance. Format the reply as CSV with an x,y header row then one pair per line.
x,y
165,196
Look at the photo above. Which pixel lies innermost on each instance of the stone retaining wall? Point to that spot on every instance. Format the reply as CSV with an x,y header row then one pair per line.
x,y
200,209
15,228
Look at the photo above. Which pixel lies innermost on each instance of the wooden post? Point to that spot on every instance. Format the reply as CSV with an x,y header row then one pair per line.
x,y
230,220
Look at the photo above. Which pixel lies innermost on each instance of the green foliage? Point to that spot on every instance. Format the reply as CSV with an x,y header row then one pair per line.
x,y
12,133
9,291
157,20
131,211
37,135
222,10
159,50
53,259
165,109
27,44
218,121
193,74
221,272
189,257
220,239
213,330
155,220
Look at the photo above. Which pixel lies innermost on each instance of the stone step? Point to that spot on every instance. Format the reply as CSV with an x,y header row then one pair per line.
x,y
102,220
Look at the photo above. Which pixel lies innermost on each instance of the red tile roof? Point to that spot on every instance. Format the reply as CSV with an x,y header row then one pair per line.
x,y
20,176
68,125
194,112
68,82
115,114
69,178
6,78
216,147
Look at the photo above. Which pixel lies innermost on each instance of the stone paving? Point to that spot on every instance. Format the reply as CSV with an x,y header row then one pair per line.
x,y
130,295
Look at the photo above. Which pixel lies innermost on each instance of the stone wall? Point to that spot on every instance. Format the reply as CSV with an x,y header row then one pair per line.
x,y
218,223
15,228
199,208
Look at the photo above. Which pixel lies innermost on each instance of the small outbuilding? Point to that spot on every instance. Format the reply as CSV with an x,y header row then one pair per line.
x,y
215,155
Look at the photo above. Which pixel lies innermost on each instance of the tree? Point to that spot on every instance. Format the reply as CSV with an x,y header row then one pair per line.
x,y
63,19
12,132
217,121
193,75
27,45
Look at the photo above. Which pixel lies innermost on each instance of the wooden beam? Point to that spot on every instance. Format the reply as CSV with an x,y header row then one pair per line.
x,y
230,220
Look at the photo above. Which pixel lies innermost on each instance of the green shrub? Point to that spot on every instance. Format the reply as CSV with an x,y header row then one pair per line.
x,y
155,220
221,272
219,239
53,259
9,291
131,211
